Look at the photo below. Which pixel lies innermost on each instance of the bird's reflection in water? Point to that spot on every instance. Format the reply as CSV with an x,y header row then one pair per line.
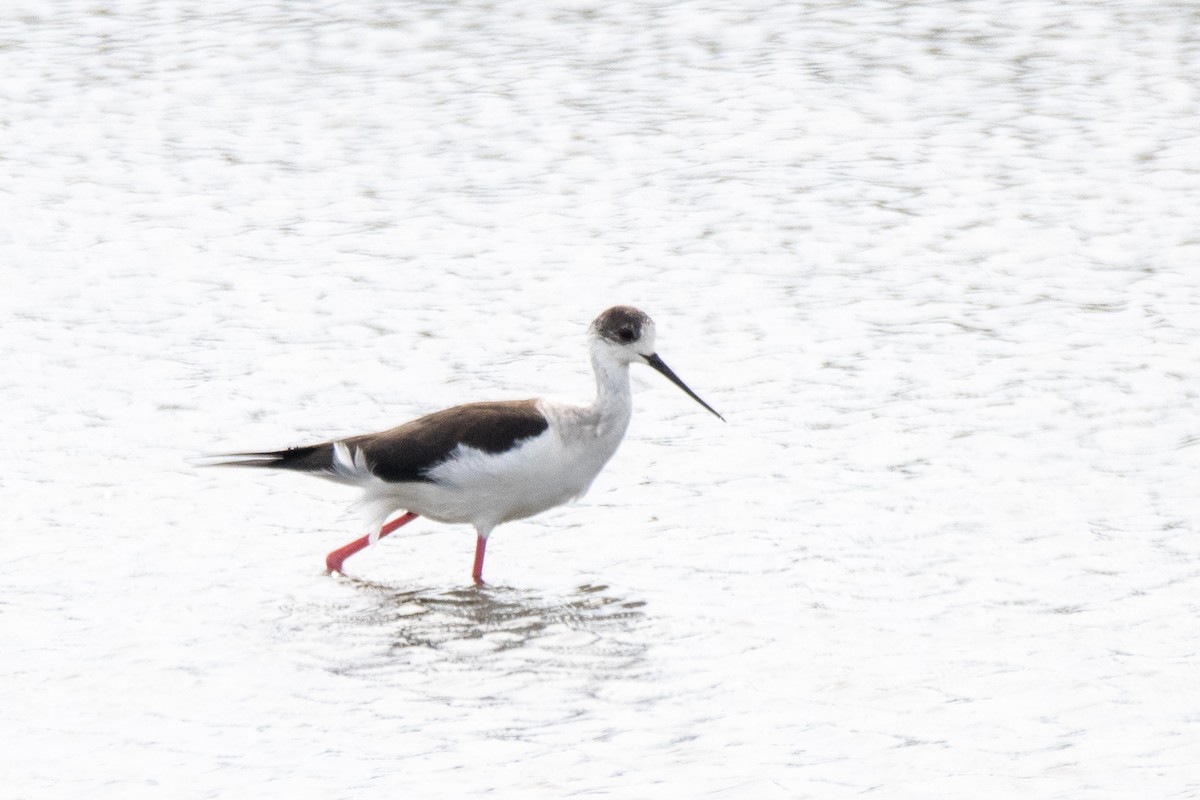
x,y
387,628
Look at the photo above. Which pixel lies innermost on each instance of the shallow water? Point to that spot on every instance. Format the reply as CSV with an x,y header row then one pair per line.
x,y
937,267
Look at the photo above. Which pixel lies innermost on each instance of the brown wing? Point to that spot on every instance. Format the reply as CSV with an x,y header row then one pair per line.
x,y
408,452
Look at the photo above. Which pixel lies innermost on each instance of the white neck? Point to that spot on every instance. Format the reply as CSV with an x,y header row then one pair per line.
x,y
614,401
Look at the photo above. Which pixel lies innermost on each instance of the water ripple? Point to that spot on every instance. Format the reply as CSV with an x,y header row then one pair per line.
x,y
386,628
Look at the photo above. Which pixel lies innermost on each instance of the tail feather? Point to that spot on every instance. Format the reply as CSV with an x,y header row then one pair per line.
x,y
314,458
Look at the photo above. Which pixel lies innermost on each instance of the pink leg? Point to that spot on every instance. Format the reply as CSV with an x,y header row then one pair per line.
x,y
333,561
477,571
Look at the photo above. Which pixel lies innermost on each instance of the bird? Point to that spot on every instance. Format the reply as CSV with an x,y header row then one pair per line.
x,y
485,463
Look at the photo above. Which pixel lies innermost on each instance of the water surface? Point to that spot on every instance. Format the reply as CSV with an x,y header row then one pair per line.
x,y
936,266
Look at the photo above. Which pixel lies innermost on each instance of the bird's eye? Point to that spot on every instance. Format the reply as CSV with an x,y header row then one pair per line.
x,y
626,335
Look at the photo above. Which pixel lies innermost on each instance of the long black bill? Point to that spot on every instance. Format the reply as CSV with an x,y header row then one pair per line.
x,y
656,362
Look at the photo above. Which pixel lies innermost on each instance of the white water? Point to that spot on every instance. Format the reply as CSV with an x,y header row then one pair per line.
x,y
937,266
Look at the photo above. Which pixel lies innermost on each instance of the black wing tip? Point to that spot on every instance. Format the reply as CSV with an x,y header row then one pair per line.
x,y
235,460
311,458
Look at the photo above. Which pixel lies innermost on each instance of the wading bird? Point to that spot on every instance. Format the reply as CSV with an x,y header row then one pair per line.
x,y
486,463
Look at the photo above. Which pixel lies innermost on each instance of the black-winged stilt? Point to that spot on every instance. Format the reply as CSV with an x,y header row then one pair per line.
x,y
486,463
